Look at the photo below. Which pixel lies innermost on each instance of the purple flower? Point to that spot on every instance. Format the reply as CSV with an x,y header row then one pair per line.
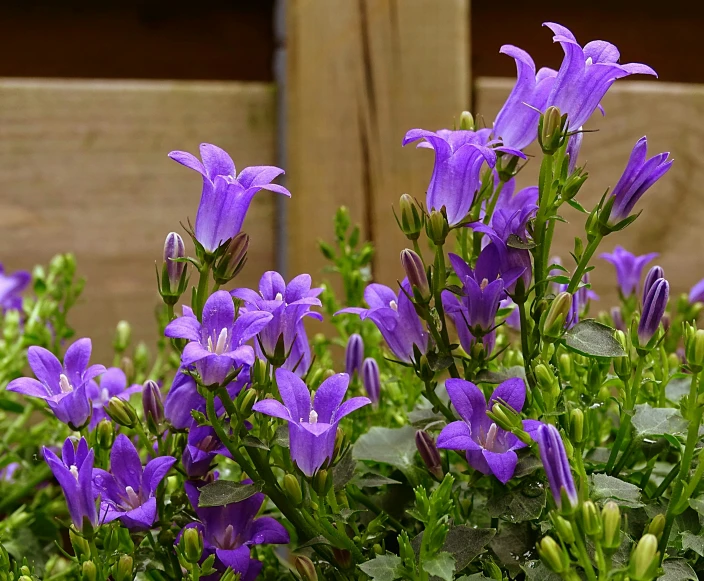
x,y
459,157
201,449
490,449
230,530
113,383
617,318
640,174
64,388
696,294
371,379
288,305
629,268
654,305
226,196
580,301
354,354
7,474
11,285
128,492
312,429
574,145
395,317
654,274
586,74
557,467
216,347
512,205
74,472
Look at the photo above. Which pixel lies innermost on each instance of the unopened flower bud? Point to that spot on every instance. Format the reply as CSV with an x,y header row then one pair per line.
x,y
417,277
371,379
259,372
654,274
293,489
577,425
152,403
122,570
121,412
656,526
233,260
322,480
644,559
192,545
611,521
123,332
694,350
343,558
564,364
553,556
341,444
563,528
412,218
354,354
654,305
245,401
173,272
554,322
544,377
105,434
89,572
306,568
429,453
466,121
591,519
81,546
141,357
550,130
437,227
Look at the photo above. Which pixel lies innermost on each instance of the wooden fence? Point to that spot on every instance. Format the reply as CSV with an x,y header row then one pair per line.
x,y
83,164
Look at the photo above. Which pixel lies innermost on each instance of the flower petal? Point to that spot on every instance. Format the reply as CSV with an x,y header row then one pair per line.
x,y
457,436
512,392
294,394
502,464
273,408
267,530
154,472
351,405
329,396
125,464
45,366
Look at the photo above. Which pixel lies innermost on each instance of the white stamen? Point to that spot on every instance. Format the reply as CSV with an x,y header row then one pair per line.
x,y
132,497
393,305
228,539
74,471
490,441
221,344
64,384
485,283
589,61
279,297
104,394
313,417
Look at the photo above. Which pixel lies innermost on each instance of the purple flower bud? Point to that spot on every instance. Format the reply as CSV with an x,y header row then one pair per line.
x,y
557,467
152,403
354,354
429,453
617,318
371,379
415,272
574,144
696,294
654,305
654,273
174,248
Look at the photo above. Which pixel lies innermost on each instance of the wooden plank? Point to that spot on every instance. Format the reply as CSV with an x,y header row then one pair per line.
x,y
83,168
360,74
670,115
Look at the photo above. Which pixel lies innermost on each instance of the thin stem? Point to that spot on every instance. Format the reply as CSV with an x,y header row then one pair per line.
x,y
356,495
441,277
433,398
582,553
525,348
583,263
202,290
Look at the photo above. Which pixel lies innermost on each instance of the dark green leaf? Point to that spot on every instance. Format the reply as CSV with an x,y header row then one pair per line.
x,y
593,339
465,543
514,241
577,206
281,437
537,571
442,566
343,472
396,447
693,542
252,442
373,481
421,418
514,545
222,492
605,488
650,421
677,570
383,568
519,504
560,279
11,406
320,540
486,376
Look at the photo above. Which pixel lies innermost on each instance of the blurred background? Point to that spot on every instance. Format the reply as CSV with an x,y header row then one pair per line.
x,y
93,95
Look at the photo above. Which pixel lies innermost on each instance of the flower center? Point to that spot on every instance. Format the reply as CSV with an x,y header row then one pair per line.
x,y
229,539
394,305
74,471
484,284
208,444
490,441
104,395
132,499
313,417
589,61
279,297
65,384
220,344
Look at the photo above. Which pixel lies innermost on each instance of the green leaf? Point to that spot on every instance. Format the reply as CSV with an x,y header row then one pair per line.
x,y
650,421
486,376
319,540
474,577
465,543
373,481
519,504
677,570
514,544
693,542
252,442
537,571
577,206
514,241
605,488
343,471
222,492
443,566
593,339
396,447
281,437
677,388
383,567
697,504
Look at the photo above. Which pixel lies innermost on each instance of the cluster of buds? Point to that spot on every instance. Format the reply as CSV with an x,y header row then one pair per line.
x,y
694,347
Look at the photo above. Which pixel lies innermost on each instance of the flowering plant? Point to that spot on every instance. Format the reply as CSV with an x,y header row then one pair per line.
x,y
486,425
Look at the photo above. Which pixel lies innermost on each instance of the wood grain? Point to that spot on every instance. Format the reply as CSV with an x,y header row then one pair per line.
x,y
83,168
360,74
673,214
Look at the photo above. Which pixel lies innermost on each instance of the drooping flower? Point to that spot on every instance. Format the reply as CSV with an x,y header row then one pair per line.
x,y
395,317
202,447
74,472
557,467
128,492
217,346
11,287
585,75
629,268
640,174
288,305
113,383
459,157
312,428
226,195
64,388
654,305
489,448
354,354
229,531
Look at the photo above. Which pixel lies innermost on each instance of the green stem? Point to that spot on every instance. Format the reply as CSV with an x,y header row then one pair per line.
x,y
582,553
40,475
356,495
525,347
583,263
202,290
441,276
433,398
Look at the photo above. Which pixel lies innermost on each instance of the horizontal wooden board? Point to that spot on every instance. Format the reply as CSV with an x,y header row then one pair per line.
x,y
84,168
671,115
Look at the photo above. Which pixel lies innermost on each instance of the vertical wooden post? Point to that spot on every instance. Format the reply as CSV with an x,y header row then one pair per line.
x,y
361,73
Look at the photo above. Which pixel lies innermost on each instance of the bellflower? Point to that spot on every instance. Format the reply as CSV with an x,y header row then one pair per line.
x,y
226,195
230,530
288,305
586,74
512,204
74,473
489,449
459,157
629,268
11,286
557,467
113,383
64,388
201,449
312,429
128,492
395,317
354,354
696,293
640,174
654,305
217,346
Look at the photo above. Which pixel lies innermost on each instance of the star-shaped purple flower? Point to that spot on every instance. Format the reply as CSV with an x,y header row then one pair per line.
x,y
113,383
11,287
128,492
217,346
312,428
202,447
489,449
629,268
64,388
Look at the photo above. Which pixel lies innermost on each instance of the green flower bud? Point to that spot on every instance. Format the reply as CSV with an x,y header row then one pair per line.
x,y
493,571
611,521
506,417
89,572
656,526
259,374
553,555
417,277
25,578
245,401
554,320
141,356
322,481
123,333
564,365
694,350
592,520
306,568
437,227
544,377
122,570
645,559
551,130
577,425
293,489
466,121
191,545
121,412
233,259
412,218
111,540
105,434
563,528
81,547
